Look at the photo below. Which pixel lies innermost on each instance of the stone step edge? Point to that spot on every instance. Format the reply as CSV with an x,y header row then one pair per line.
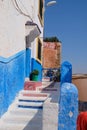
x,y
32,99
31,92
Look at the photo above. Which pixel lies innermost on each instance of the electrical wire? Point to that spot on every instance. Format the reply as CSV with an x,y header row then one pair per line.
x,y
15,6
15,3
24,7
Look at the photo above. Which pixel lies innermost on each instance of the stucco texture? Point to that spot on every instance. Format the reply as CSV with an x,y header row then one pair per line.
x,y
12,75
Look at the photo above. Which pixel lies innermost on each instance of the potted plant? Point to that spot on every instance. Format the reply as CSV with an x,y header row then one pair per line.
x,y
34,75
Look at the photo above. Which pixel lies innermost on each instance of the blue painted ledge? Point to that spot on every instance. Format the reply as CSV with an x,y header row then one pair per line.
x,y
9,59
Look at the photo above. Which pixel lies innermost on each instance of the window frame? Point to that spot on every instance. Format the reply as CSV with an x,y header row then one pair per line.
x,y
40,14
39,42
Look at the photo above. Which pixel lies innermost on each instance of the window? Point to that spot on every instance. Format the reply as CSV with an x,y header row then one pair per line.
x,y
39,50
41,11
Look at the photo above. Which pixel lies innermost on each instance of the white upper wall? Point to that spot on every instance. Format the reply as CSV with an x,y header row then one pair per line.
x,y
12,25
36,18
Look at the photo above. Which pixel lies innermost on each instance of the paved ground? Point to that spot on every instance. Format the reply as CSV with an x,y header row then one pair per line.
x,y
33,110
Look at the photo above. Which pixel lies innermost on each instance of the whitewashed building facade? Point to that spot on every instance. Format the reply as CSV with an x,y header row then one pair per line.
x,y
21,32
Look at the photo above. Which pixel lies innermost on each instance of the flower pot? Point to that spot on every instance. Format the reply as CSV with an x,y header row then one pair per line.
x,y
34,77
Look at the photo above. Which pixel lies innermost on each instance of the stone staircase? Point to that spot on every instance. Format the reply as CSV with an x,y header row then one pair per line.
x,y
25,113
31,110
32,85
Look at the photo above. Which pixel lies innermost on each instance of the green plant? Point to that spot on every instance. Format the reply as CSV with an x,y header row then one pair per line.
x,y
35,72
51,39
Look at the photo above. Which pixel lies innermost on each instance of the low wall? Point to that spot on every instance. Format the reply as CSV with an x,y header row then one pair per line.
x,y
68,107
68,103
12,75
81,83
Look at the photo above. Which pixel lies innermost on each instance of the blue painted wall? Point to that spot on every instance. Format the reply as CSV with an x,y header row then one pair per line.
x,y
38,66
66,72
28,62
68,110
12,75
32,64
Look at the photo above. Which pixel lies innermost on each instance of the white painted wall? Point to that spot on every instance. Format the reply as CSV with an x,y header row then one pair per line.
x,y
36,19
12,25
10,30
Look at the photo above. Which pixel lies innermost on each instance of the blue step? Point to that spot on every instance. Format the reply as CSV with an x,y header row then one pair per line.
x,y
36,101
31,107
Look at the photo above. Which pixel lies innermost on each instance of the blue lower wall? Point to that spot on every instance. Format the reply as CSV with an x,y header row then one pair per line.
x,y
12,75
38,66
32,64
28,62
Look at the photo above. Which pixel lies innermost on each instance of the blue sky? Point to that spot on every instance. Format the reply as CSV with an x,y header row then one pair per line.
x,y
67,20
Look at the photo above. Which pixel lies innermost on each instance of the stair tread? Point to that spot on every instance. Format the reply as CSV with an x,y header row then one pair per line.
x,y
30,103
13,126
22,119
25,112
32,98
